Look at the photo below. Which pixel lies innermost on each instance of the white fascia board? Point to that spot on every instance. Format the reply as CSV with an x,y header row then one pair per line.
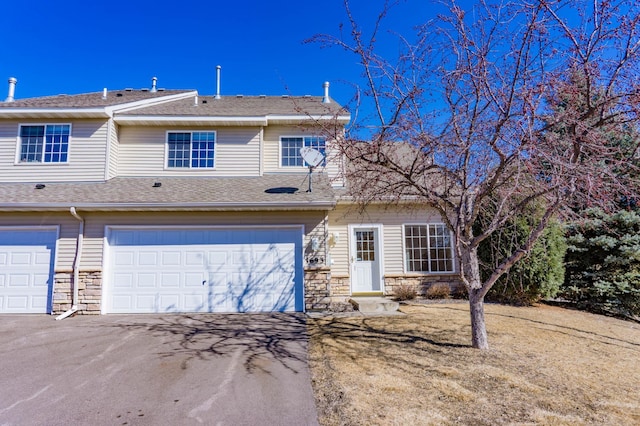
x,y
54,113
306,205
183,119
149,102
275,119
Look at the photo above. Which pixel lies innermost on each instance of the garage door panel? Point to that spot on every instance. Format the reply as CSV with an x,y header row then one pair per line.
x,y
124,258
147,258
146,280
39,302
121,301
213,270
169,302
195,279
142,303
195,303
18,303
240,258
41,280
218,279
169,279
122,280
171,258
19,280
194,258
217,258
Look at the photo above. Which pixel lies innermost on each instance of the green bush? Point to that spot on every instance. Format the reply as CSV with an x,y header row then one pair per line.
x,y
603,263
538,275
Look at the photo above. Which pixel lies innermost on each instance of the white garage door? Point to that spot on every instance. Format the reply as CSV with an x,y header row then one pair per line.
x,y
26,269
204,270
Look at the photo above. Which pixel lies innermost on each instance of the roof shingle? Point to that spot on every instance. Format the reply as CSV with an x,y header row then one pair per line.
x,y
268,192
90,100
242,106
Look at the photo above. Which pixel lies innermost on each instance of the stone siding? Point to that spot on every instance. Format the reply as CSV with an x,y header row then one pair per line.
x,y
316,289
421,283
340,287
89,292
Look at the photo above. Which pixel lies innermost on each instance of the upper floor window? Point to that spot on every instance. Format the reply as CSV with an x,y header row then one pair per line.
x,y
191,149
44,143
428,248
290,149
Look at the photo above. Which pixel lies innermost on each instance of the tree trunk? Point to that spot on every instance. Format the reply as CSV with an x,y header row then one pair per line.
x,y
478,327
471,270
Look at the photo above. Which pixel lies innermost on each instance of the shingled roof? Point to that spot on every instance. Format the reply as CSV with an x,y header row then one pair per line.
x,y
90,100
268,192
176,107
241,106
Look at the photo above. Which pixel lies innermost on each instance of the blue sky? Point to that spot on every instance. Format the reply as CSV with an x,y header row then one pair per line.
x,y
70,47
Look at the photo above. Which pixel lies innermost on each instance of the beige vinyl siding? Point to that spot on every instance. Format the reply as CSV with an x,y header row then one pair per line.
x,y
141,152
87,147
271,152
66,247
112,150
392,219
95,225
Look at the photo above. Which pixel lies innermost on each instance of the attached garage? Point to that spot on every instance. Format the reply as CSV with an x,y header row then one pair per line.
x,y
210,269
27,257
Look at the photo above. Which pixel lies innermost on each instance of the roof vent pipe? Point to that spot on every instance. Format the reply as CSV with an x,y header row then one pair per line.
x,y
104,93
12,89
218,68
154,82
325,99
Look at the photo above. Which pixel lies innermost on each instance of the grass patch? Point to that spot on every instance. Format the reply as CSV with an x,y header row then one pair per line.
x,y
546,365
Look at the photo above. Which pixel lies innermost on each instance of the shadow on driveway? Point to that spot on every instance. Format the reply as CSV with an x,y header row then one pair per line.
x,y
235,369
280,337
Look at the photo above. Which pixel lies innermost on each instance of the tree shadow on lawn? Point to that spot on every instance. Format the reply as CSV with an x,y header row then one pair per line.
x,y
390,344
561,328
381,329
279,337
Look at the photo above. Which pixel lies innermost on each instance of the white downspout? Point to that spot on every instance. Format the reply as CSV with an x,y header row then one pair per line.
x,y
76,267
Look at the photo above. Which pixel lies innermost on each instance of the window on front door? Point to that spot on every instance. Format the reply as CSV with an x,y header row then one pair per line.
x,y
365,246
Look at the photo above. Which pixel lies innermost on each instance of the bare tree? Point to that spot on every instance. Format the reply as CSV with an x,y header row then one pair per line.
x,y
499,106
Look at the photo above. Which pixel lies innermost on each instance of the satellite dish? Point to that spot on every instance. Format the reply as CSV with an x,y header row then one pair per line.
x,y
312,157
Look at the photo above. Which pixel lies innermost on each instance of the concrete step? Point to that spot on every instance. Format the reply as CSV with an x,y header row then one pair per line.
x,y
374,304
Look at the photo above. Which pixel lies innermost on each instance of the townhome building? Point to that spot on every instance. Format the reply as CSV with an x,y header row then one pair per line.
x,y
154,200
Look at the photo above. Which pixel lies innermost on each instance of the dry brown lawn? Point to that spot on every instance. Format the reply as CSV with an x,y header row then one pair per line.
x,y
546,366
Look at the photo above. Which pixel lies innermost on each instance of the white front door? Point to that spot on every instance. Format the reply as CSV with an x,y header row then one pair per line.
x,y
365,260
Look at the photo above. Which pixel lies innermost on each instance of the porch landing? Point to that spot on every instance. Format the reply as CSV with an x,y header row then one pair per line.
x,y
373,304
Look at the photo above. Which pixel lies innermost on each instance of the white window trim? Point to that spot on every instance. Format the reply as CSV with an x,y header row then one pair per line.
x,y
166,150
429,272
17,161
303,167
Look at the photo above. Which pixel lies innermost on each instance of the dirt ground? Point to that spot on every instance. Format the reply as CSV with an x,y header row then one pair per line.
x,y
546,366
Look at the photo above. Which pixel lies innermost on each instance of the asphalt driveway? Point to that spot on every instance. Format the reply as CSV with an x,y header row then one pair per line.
x,y
238,369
